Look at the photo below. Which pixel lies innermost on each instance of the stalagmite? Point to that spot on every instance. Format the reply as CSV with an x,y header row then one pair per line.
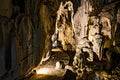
x,y
83,45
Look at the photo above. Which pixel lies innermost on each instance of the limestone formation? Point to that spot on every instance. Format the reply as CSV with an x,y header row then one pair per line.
x,y
64,26
94,35
87,30
83,45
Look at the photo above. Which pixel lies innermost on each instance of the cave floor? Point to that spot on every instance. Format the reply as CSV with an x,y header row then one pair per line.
x,y
48,70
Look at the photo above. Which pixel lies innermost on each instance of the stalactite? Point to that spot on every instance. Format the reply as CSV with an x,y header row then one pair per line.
x,y
83,45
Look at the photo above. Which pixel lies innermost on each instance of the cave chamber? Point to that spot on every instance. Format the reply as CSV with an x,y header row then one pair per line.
x,y
59,40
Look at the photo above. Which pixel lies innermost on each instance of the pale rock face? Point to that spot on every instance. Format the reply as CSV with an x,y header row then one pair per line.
x,y
59,65
81,19
82,43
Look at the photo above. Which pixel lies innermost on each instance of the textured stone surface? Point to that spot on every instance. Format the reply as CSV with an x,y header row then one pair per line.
x,y
64,26
54,67
91,29
6,38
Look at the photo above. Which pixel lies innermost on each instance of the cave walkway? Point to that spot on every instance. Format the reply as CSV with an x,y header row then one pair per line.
x,y
51,68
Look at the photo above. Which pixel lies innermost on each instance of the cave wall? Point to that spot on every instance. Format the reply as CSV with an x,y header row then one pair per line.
x,y
7,50
24,43
34,29
33,23
6,8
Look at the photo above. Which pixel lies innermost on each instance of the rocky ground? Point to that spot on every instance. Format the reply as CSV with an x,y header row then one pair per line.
x,y
54,68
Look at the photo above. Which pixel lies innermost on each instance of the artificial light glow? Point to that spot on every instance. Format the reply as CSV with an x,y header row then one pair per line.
x,y
50,71
43,71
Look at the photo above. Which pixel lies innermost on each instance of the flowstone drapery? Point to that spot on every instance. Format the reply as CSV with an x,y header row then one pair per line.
x,y
64,29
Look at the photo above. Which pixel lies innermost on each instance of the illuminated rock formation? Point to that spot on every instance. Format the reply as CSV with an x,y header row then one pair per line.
x,y
86,30
83,45
95,36
64,26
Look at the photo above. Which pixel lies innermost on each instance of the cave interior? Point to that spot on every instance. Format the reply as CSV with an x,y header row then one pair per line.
x,y
59,40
